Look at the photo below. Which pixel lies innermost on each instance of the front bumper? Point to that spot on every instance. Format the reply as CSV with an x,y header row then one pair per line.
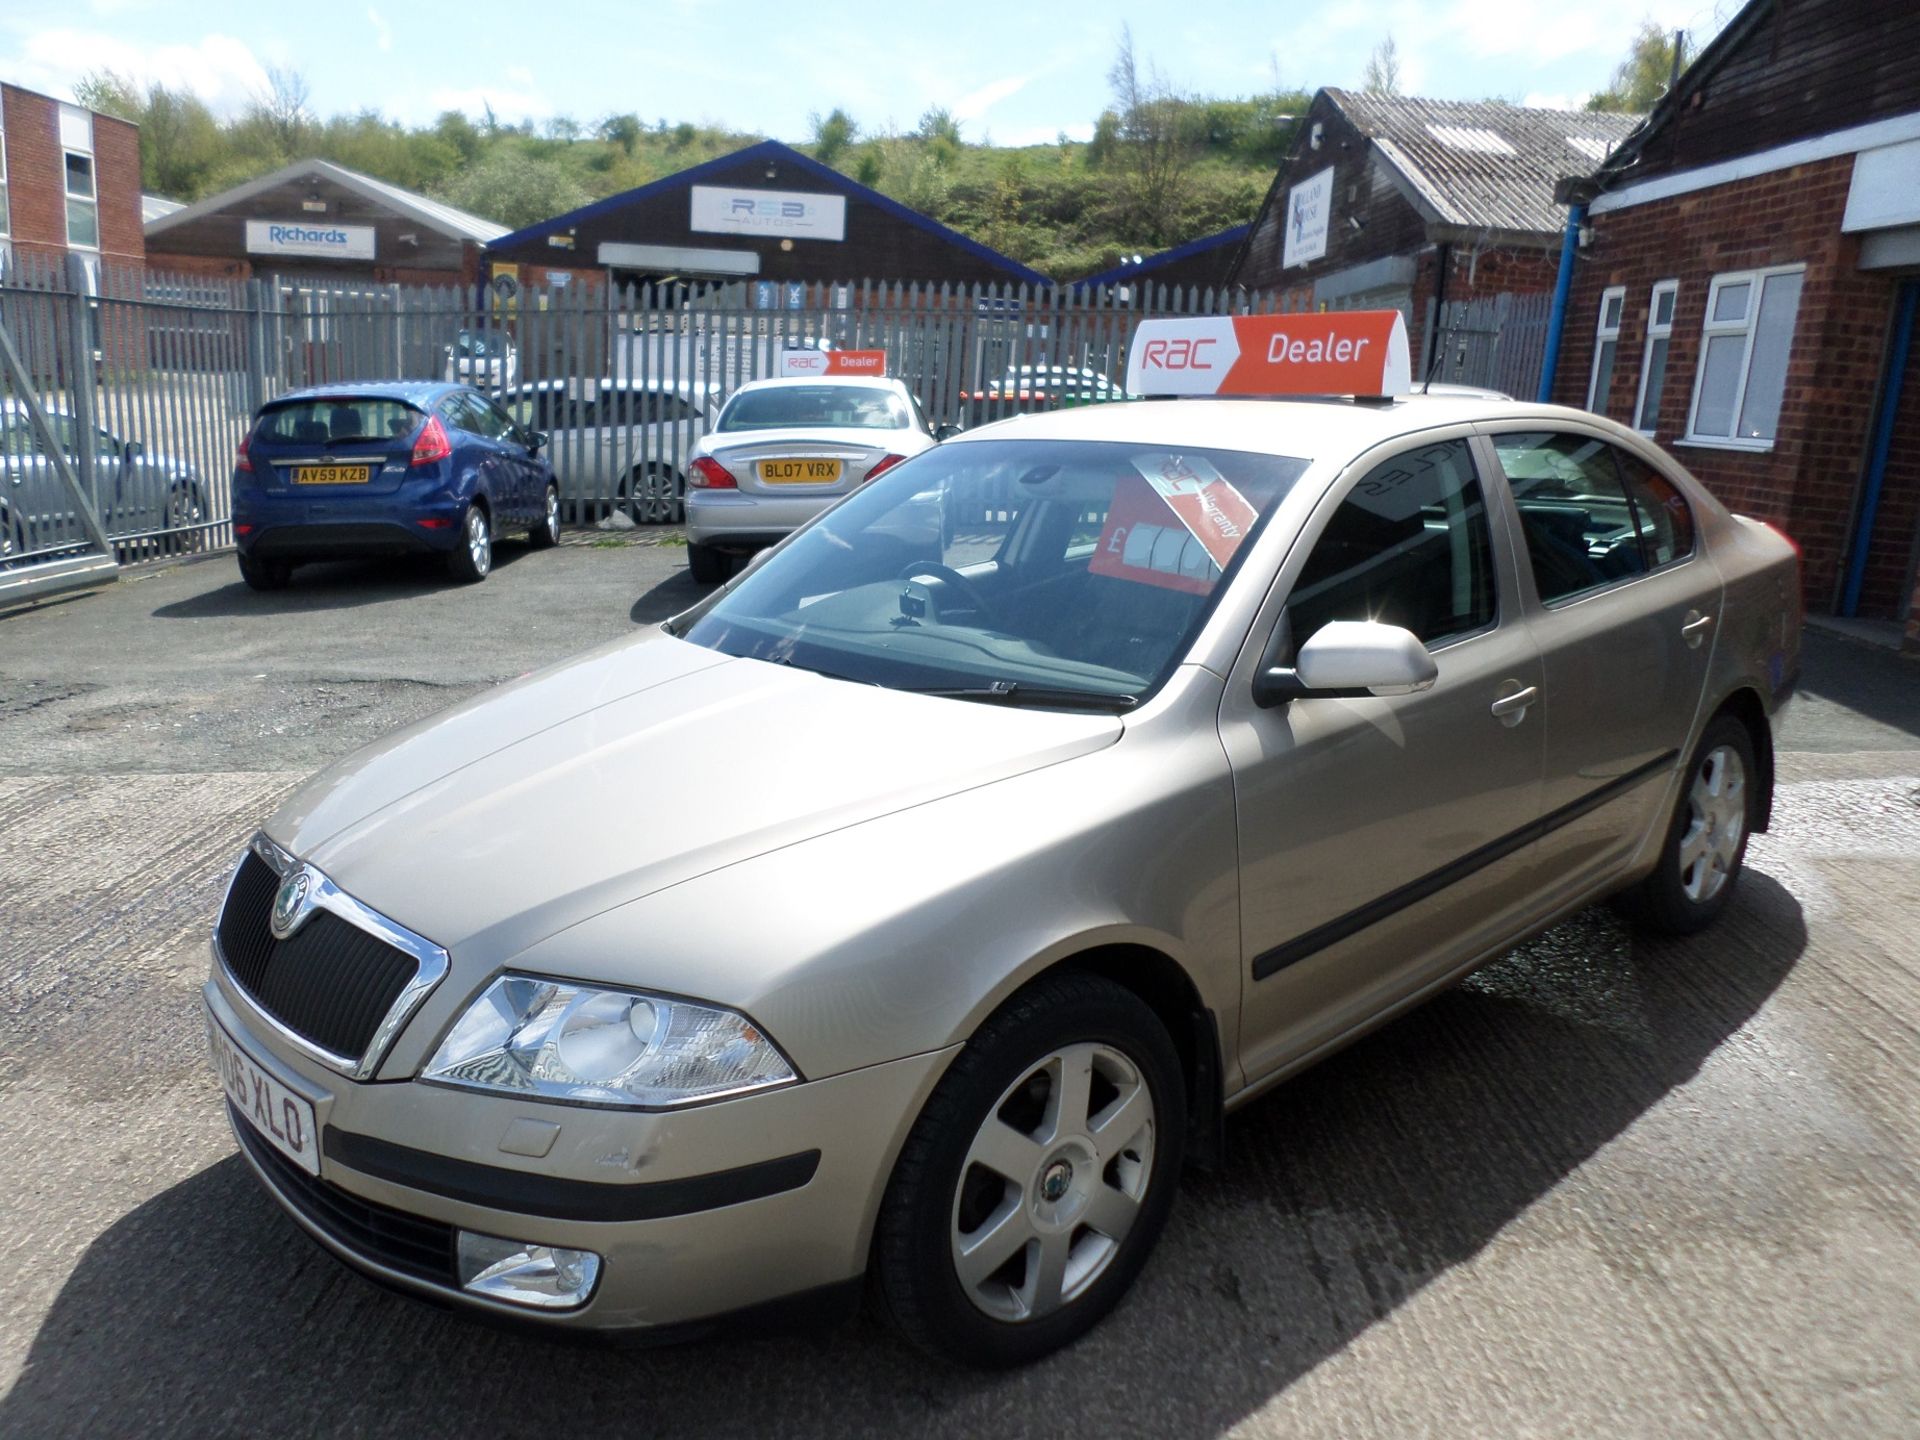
x,y
732,519
695,1214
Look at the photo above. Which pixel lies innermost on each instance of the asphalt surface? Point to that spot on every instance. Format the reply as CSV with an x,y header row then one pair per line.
x,y
1606,1187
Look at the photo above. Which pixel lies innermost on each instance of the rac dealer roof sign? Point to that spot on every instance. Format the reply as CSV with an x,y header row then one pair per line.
x,y
321,241
1350,352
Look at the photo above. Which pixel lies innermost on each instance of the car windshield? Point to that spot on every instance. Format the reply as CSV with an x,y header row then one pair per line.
x,y
1049,572
337,420
815,407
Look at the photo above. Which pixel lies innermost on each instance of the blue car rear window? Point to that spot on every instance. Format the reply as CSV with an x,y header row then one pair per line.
x,y
338,420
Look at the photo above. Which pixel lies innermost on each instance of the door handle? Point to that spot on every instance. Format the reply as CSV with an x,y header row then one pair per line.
x,y
1512,709
1695,628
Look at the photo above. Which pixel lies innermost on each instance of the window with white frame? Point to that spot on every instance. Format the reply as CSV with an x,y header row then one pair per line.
x,y
1606,346
1745,343
83,200
1653,364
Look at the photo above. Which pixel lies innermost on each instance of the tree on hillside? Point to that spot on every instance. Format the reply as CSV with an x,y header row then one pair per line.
x,y
283,108
1382,75
180,142
1640,80
622,131
1156,146
515,188
833,135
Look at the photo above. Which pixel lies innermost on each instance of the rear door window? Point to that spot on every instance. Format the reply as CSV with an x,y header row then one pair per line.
x,y
1409,546
1591,514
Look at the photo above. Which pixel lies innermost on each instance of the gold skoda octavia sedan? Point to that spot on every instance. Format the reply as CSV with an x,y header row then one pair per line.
x,y
908,914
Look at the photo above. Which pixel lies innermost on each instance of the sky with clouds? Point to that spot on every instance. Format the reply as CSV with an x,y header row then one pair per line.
x,y
1012,72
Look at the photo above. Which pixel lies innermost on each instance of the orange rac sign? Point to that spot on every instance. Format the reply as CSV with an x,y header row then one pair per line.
x,y
1353,352
833,362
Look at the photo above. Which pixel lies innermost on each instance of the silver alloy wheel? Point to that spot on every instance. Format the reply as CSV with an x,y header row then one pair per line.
x,y
651,496
479,540
1716,823
1053,1182
553,513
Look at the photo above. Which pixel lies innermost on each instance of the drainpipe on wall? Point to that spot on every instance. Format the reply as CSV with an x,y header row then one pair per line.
x,y
1562,288
1906,305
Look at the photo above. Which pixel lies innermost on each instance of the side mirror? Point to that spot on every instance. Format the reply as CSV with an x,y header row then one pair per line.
x,y
946,431
536,441
756,560
1348,659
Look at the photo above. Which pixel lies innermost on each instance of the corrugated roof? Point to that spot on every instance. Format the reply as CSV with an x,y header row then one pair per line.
x,y
152,207
1483,164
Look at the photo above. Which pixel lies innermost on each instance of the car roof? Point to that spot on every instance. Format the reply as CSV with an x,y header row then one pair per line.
x,y
413,392
788,382
1335,429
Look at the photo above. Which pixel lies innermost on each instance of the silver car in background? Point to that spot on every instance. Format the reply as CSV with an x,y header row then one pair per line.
x,y
1002,851
625,442
784,450
142,492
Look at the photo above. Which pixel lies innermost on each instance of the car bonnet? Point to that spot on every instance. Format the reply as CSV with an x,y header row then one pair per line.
x,y
632,768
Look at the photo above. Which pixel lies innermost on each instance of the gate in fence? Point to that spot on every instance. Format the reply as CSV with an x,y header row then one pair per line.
x,y
1497,343
143,383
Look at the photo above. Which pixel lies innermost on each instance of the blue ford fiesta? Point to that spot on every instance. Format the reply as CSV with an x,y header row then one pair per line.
x,y
350,471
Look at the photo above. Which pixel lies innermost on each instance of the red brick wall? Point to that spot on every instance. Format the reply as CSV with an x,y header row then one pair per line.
x,y
36,179
1806,483
165,263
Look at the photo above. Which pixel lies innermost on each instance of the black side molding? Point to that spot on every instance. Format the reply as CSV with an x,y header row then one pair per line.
x,y
1433,882
558,1198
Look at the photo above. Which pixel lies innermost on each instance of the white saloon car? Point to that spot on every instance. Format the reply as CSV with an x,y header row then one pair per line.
x,y
784,450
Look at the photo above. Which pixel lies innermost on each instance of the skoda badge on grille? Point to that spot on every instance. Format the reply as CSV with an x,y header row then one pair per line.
x,y
291,904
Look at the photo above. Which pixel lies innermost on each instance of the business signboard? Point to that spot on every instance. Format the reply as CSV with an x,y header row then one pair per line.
x,y
725,211
315,239
833,362
1308,205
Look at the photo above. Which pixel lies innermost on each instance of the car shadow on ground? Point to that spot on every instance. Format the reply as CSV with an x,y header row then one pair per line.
x,y
1345,1193
333,585
669,597
1868,679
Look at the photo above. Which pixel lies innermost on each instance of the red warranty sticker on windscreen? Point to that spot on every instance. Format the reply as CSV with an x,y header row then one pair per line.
x,y
1217,514
1142,541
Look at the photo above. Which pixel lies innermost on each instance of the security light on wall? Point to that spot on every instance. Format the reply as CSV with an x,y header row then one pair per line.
x,y
407,237
1318,133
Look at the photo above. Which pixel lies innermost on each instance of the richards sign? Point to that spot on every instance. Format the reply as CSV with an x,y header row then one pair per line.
x,y
805,216
316,240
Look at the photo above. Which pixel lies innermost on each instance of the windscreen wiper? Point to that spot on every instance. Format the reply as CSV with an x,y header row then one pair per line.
x,y
1012,692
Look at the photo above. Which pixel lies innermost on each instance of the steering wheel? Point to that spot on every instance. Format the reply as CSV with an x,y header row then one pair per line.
x,y
948,576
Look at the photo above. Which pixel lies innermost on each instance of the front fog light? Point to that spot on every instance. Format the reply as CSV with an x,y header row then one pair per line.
x,y
543,1276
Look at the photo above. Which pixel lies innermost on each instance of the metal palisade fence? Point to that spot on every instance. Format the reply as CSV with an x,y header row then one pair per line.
x,y
133,388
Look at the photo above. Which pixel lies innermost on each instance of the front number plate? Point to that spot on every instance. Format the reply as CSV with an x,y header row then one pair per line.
x,y
800,472
285,1120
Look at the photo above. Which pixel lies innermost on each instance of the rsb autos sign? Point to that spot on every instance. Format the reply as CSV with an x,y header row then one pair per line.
x,y
722,210
320,241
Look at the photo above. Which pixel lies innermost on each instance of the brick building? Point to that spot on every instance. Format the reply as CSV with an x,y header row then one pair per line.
x,y
314,223
1748,281
69,183
1390,201
766,218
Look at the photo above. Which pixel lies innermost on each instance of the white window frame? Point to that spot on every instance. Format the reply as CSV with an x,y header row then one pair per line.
x,y
1602,332
1744,327
67,197
1655,331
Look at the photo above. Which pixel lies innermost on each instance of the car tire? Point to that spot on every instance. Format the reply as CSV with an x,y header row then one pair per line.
x,y
1706,839
976,1265
265,574
654,496
471,560
546,531
708,564
185,507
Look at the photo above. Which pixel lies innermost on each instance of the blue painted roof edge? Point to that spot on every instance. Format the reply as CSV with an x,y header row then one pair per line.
x,y
1122,273
788,155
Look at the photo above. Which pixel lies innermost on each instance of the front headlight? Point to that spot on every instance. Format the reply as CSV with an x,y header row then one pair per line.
x,y
580,1043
